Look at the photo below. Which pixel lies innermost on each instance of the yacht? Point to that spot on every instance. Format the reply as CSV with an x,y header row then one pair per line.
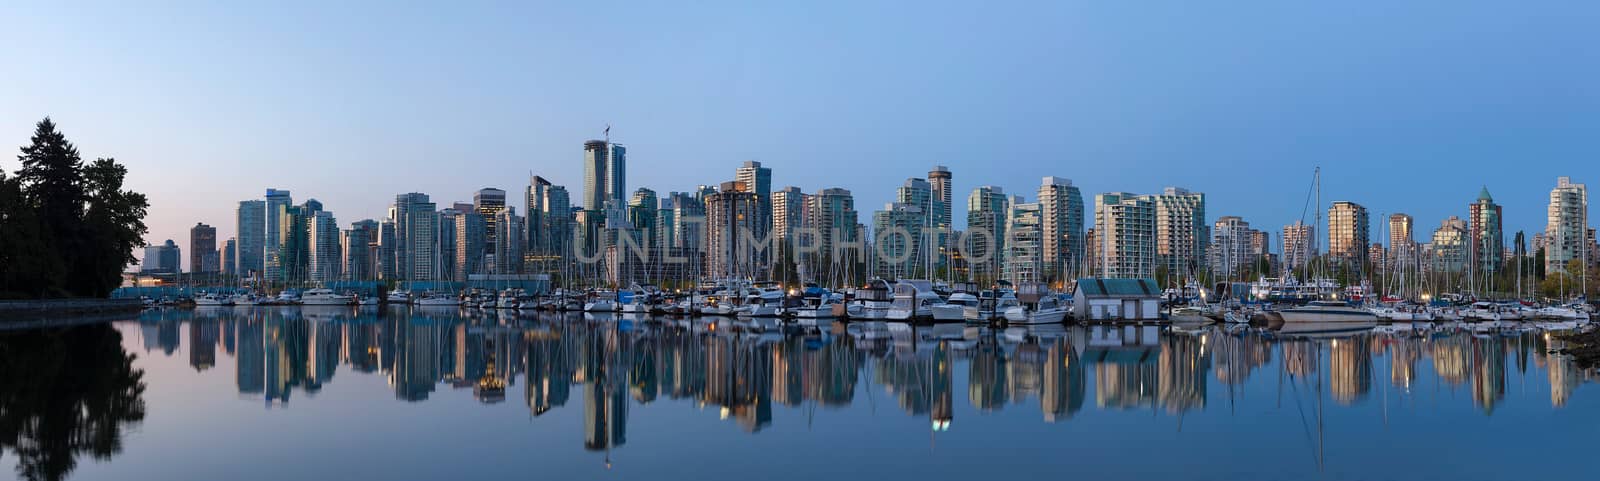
x,y
212,299
430,299
367,301
992,304
871,302
1048,310
1192,315
819,306
398,297
913,301
601,300
325,297
287,298
765,302
955,308
1327,312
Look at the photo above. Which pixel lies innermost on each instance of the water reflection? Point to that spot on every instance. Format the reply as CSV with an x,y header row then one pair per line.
x,y
68,392
617,363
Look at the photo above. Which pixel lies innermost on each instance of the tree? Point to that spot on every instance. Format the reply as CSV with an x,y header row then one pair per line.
x,y
113,227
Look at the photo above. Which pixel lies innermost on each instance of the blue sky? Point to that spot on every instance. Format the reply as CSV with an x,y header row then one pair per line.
x,y
1407,106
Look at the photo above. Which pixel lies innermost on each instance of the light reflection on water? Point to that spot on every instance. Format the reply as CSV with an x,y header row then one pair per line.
x,y
1256,404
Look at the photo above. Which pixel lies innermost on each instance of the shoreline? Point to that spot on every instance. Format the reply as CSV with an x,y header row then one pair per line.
x,y
33,314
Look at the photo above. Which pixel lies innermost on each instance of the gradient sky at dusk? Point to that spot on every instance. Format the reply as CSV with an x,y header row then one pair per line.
x,y
1407,106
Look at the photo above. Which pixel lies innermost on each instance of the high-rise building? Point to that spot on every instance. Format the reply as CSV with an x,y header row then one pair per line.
x,y
987,214
1231,243
788,214
1402,244
1125,228
1025,243
508,246
897,241
415,231
1347,232
1486,251
731,218
272,238
833,213
161,259
229,255
469,245
326,258
688,227
1181,230
596,162
1450,245
642,219
1568,219
1377,255
1061,208
252,225
358,245
203,249
757,180
939,180
387,263
1299,245
444,241
489,202
616,173
294,231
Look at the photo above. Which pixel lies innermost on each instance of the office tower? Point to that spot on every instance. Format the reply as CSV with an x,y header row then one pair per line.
x,y
252,225
1487,242
161,259
445,241
666,222
1061,208
616,173
294,232
788,213
537,236
1181,230
897,246
688,221
1231,241
596,161
1125,228
356,244
326,258
489,202
386,262
1260,245
731,218
508,246
469,244
1347,232
987,213
1299,244
415,226
1568,220
272,238
757,180
230,256
939,185
1402,246
1450,245
203,249
642,215
1025,240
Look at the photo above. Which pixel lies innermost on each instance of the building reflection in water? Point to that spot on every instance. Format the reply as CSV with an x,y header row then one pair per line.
x,y
744,376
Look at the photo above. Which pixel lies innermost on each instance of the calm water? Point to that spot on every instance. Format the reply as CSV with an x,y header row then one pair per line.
x,y
286,393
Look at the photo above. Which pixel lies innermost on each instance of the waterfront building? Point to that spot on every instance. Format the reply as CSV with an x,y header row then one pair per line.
x,y
229,256
469,244
489,202
1260,246
1299,245
832,212
1181,232
1567,223
251,234
1347,232
939,215
1125,226
897,241
1025,243
294,232
508,246
325,258
1450,246
788,214
385,262
161,259
757,180
1231,253
1061,209
732,217
1487,239
203,249
272,238
358,246
987,211
1402,246
444,241
416,235
688,221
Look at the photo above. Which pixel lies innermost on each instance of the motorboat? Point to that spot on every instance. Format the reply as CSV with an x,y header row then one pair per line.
x,y
212,299
325,297
1048,310
398,297
367,301
1327,312
1483,311
287,297
1190,315
913,301
955,308
601,300
871,301
430,299
765,301
991,304
819,306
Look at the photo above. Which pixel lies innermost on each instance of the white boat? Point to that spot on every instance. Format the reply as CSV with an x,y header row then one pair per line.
x,y
1482,311
1327,312
1189,315
955,308
436,300
1547,312
765,302
398,297
1048,310
287,298
818,307
367,301
602,300
871,302
325,297
991,304
212,300
913,301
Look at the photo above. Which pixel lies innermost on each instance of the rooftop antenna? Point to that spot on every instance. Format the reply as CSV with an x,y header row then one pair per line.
x,y
608,133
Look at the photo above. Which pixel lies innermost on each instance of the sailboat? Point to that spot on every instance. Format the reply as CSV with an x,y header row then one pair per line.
x,y
1324,314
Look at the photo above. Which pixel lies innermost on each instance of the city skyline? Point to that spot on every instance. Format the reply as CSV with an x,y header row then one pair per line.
x,y
1114,109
